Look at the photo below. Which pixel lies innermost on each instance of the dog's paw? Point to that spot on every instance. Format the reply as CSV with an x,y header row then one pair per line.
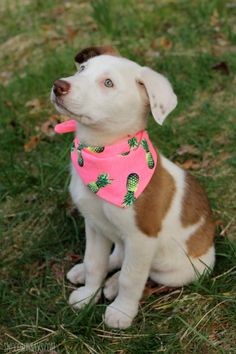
x,y
111,286
82,296
77,274
119,316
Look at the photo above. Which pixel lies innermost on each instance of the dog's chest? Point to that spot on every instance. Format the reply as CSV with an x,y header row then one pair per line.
x,y
110,220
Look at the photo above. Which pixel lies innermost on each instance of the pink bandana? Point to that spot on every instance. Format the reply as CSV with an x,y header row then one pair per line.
x,y
117,173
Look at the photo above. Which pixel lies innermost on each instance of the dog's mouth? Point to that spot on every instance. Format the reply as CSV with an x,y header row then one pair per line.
x,y
56,101
83,119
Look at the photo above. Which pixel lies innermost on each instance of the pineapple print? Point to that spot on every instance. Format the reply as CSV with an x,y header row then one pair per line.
x,y
102,181
133,143
149,157
80,157
97,149
131,186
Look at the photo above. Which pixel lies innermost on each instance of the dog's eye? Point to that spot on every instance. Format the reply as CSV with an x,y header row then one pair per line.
x,y
108,83
82,67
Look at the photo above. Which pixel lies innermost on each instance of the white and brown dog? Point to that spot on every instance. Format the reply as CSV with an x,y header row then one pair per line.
x,y
168,233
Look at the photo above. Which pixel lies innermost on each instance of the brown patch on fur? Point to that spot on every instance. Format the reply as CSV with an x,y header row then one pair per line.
x,y
153,204
195,206
195,202
91,52
201,240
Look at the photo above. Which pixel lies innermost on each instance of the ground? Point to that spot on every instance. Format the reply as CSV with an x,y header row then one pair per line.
x,y
193,43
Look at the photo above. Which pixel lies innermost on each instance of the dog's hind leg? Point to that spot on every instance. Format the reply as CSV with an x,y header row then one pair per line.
x,y
116,258
111,286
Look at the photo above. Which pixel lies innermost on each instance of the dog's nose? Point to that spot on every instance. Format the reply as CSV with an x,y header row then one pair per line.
x,y
61,87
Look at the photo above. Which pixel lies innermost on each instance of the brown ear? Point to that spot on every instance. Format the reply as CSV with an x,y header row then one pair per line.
x,y
91,52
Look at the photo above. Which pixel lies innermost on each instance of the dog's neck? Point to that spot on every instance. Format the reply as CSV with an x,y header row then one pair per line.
x,y
94,135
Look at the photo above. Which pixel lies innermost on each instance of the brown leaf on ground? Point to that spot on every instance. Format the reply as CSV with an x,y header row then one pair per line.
x,y
58,271
166,43
181,119
72,257
47,127
206,159
221,139
222,67
189,165
32,143
158,289
34,105
188,149
71,33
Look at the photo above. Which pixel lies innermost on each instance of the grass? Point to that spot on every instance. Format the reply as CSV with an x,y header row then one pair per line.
x,y
42,236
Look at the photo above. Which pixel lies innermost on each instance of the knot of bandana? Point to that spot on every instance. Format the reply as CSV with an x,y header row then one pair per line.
x,y
117,173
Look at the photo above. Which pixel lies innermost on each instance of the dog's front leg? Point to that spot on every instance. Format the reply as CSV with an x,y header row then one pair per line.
x,y
95,265
139,252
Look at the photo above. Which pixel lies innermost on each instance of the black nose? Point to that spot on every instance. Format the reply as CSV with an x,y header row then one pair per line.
x,y
61,87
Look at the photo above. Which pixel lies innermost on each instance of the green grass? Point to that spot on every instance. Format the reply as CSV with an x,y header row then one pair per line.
x,y
42,236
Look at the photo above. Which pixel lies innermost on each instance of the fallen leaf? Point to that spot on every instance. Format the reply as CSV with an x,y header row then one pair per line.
x,y
165,43
58,271
47,127
34,104
181,119
221,139
72,257
71,33
188,149
159,289
189,165
222,67
207,159
31,145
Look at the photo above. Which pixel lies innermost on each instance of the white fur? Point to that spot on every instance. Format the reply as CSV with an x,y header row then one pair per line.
x,y
104,116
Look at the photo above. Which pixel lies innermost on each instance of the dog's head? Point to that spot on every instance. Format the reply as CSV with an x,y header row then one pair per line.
x,y
112,91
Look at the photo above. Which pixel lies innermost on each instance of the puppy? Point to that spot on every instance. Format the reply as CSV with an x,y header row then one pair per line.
x,y
155,214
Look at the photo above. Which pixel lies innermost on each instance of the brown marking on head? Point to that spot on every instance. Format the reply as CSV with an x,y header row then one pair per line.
x,y
91,52
196,205
153,204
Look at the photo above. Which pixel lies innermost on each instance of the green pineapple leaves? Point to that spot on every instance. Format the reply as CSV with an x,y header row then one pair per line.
x,y
102,181
133,143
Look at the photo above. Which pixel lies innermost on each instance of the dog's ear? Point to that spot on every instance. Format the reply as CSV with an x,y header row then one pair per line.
x,y
160,93
91,52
